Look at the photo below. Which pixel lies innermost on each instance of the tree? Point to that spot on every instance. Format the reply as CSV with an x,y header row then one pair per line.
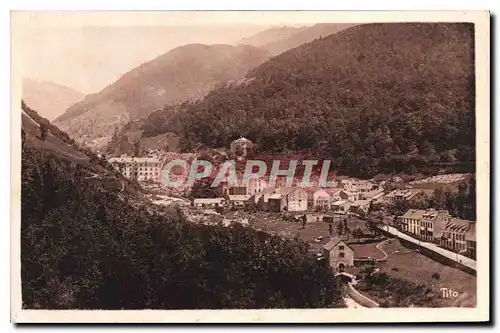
x,y
399,207
346,227
137,148
340,228
202,188
43,132
357,233
83,254
374,220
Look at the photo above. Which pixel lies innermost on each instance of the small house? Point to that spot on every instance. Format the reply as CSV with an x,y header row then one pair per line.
x,y
341,206
318,199
349,195
208,202
338,254
292,199
239,200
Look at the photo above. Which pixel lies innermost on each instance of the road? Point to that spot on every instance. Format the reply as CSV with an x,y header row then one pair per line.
x,y
351,304
379,248
433,247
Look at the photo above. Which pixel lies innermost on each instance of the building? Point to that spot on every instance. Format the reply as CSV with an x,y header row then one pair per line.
x,y
318,199
470,241
349,195
459,236
209,202
338,254
334,193
241,147
292,199
256,185
261,199
240,200
357,185
406,194
234,190
341,206
138,168
372,195
425,224
360,206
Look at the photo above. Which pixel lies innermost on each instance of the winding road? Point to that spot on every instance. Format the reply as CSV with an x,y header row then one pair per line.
x,y
385,253
351,304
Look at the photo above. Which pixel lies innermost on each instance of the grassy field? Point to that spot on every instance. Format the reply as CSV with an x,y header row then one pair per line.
x,y
274,223
367,250
412,266
401,263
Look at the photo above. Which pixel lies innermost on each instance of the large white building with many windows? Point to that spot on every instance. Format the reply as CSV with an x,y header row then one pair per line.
x,y
425,224
138,168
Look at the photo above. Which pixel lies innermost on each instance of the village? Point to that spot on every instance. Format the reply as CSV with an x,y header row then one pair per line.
x,y
350,225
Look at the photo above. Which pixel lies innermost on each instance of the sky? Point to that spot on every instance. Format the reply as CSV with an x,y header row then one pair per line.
x,y
88,58
89,50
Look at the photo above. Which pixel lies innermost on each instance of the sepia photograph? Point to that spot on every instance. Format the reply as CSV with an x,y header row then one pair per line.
x,y
250,166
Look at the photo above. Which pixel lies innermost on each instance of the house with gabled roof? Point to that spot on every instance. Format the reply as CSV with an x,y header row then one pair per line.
x,y
292,199
338,254
317,198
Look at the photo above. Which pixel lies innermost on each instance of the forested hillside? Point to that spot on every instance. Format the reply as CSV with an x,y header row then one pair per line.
x,y
84,245
185,73
374,98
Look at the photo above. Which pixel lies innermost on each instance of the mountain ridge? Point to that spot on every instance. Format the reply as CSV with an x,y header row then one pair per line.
x,y
50,98
185,73
374,98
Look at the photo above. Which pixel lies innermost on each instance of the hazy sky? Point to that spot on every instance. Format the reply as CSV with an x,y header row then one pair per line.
x,y
89,58
87,50
90,50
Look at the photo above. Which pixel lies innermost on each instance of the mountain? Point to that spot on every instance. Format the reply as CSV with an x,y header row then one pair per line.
x,y
142,131
86,238
304,35
271,35
185,73
372,98
141,134
49,98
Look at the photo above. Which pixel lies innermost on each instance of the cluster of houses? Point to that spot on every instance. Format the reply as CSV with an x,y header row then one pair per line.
x,y
430,225
350,196
280,198
438,226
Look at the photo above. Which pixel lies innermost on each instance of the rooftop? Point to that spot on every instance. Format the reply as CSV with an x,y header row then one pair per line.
x,y
130,159
241,140
333,242
239,197
208,200
421,214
